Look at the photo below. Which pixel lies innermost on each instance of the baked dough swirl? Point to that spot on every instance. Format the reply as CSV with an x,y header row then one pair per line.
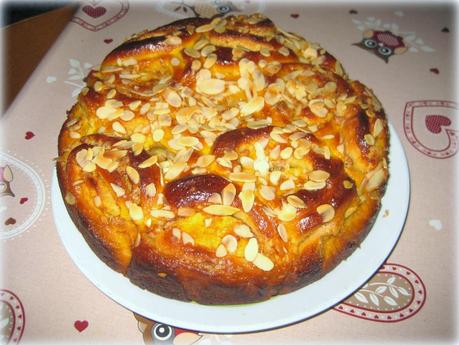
x,y
223,160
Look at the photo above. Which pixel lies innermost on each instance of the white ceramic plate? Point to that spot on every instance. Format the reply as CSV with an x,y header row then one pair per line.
x,y
317,297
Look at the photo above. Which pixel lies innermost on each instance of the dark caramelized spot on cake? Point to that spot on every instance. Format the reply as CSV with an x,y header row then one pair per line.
x,y
232,139
193,190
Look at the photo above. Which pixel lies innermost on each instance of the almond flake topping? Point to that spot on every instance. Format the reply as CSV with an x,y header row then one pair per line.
x,y
210,86
133,175
221,251
378,127
268,193
186,238
243,231
327,212
282,231
242,177
228,194
319,175
148,162
119,191
251,249
311,185
230,243
296,201
252,106
162,214
263,262
221,210
150,190
135,211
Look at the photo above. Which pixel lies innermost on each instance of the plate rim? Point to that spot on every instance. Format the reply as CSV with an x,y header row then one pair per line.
x,y
63,220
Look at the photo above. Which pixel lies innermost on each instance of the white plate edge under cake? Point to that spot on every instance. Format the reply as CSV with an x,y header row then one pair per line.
x,y
282,310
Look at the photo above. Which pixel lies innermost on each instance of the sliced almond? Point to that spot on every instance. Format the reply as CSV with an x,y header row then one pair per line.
x,y
138,138
69,198
375,179
204,28
378,127
210,86
247,198
228,194
133,175
185,211
286,213
119,191
242,177
282,231
267,192
221,210
104,112
134,105
118,127
263,262
230,242
221,251
318,175
205,160
251,249
275,176
370,140
172,98
243,231
326,211
252,106
177,233
158,135
312,185
150,190
286,153
148,162
287,185
175,170
347,184
215,198
162,214
135,211
296,201
89,167
187,238
318,108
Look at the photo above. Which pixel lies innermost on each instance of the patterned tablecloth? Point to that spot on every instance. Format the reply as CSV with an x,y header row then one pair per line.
x,y
45,298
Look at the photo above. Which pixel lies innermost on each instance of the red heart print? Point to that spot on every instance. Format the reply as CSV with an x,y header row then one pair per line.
x,y
81,325
23,200
94,12
434,123
294,15
10,221
435,70
108,40
29,135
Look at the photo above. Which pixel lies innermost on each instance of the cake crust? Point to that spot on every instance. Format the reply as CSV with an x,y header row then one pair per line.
x,y
223,160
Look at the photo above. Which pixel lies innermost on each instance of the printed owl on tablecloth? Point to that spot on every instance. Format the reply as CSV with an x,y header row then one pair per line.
x,y
159,333
383,44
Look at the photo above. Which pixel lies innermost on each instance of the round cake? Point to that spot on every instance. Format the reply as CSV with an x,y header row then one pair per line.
x,y
223,160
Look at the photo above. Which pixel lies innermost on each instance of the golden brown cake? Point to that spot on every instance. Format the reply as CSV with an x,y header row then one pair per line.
x,y
223,160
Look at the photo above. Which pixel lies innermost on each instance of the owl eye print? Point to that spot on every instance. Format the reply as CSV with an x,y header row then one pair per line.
x,y
155,333
383,44
6,176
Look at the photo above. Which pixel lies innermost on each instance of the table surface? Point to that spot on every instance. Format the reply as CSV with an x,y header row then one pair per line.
x,y
44,297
